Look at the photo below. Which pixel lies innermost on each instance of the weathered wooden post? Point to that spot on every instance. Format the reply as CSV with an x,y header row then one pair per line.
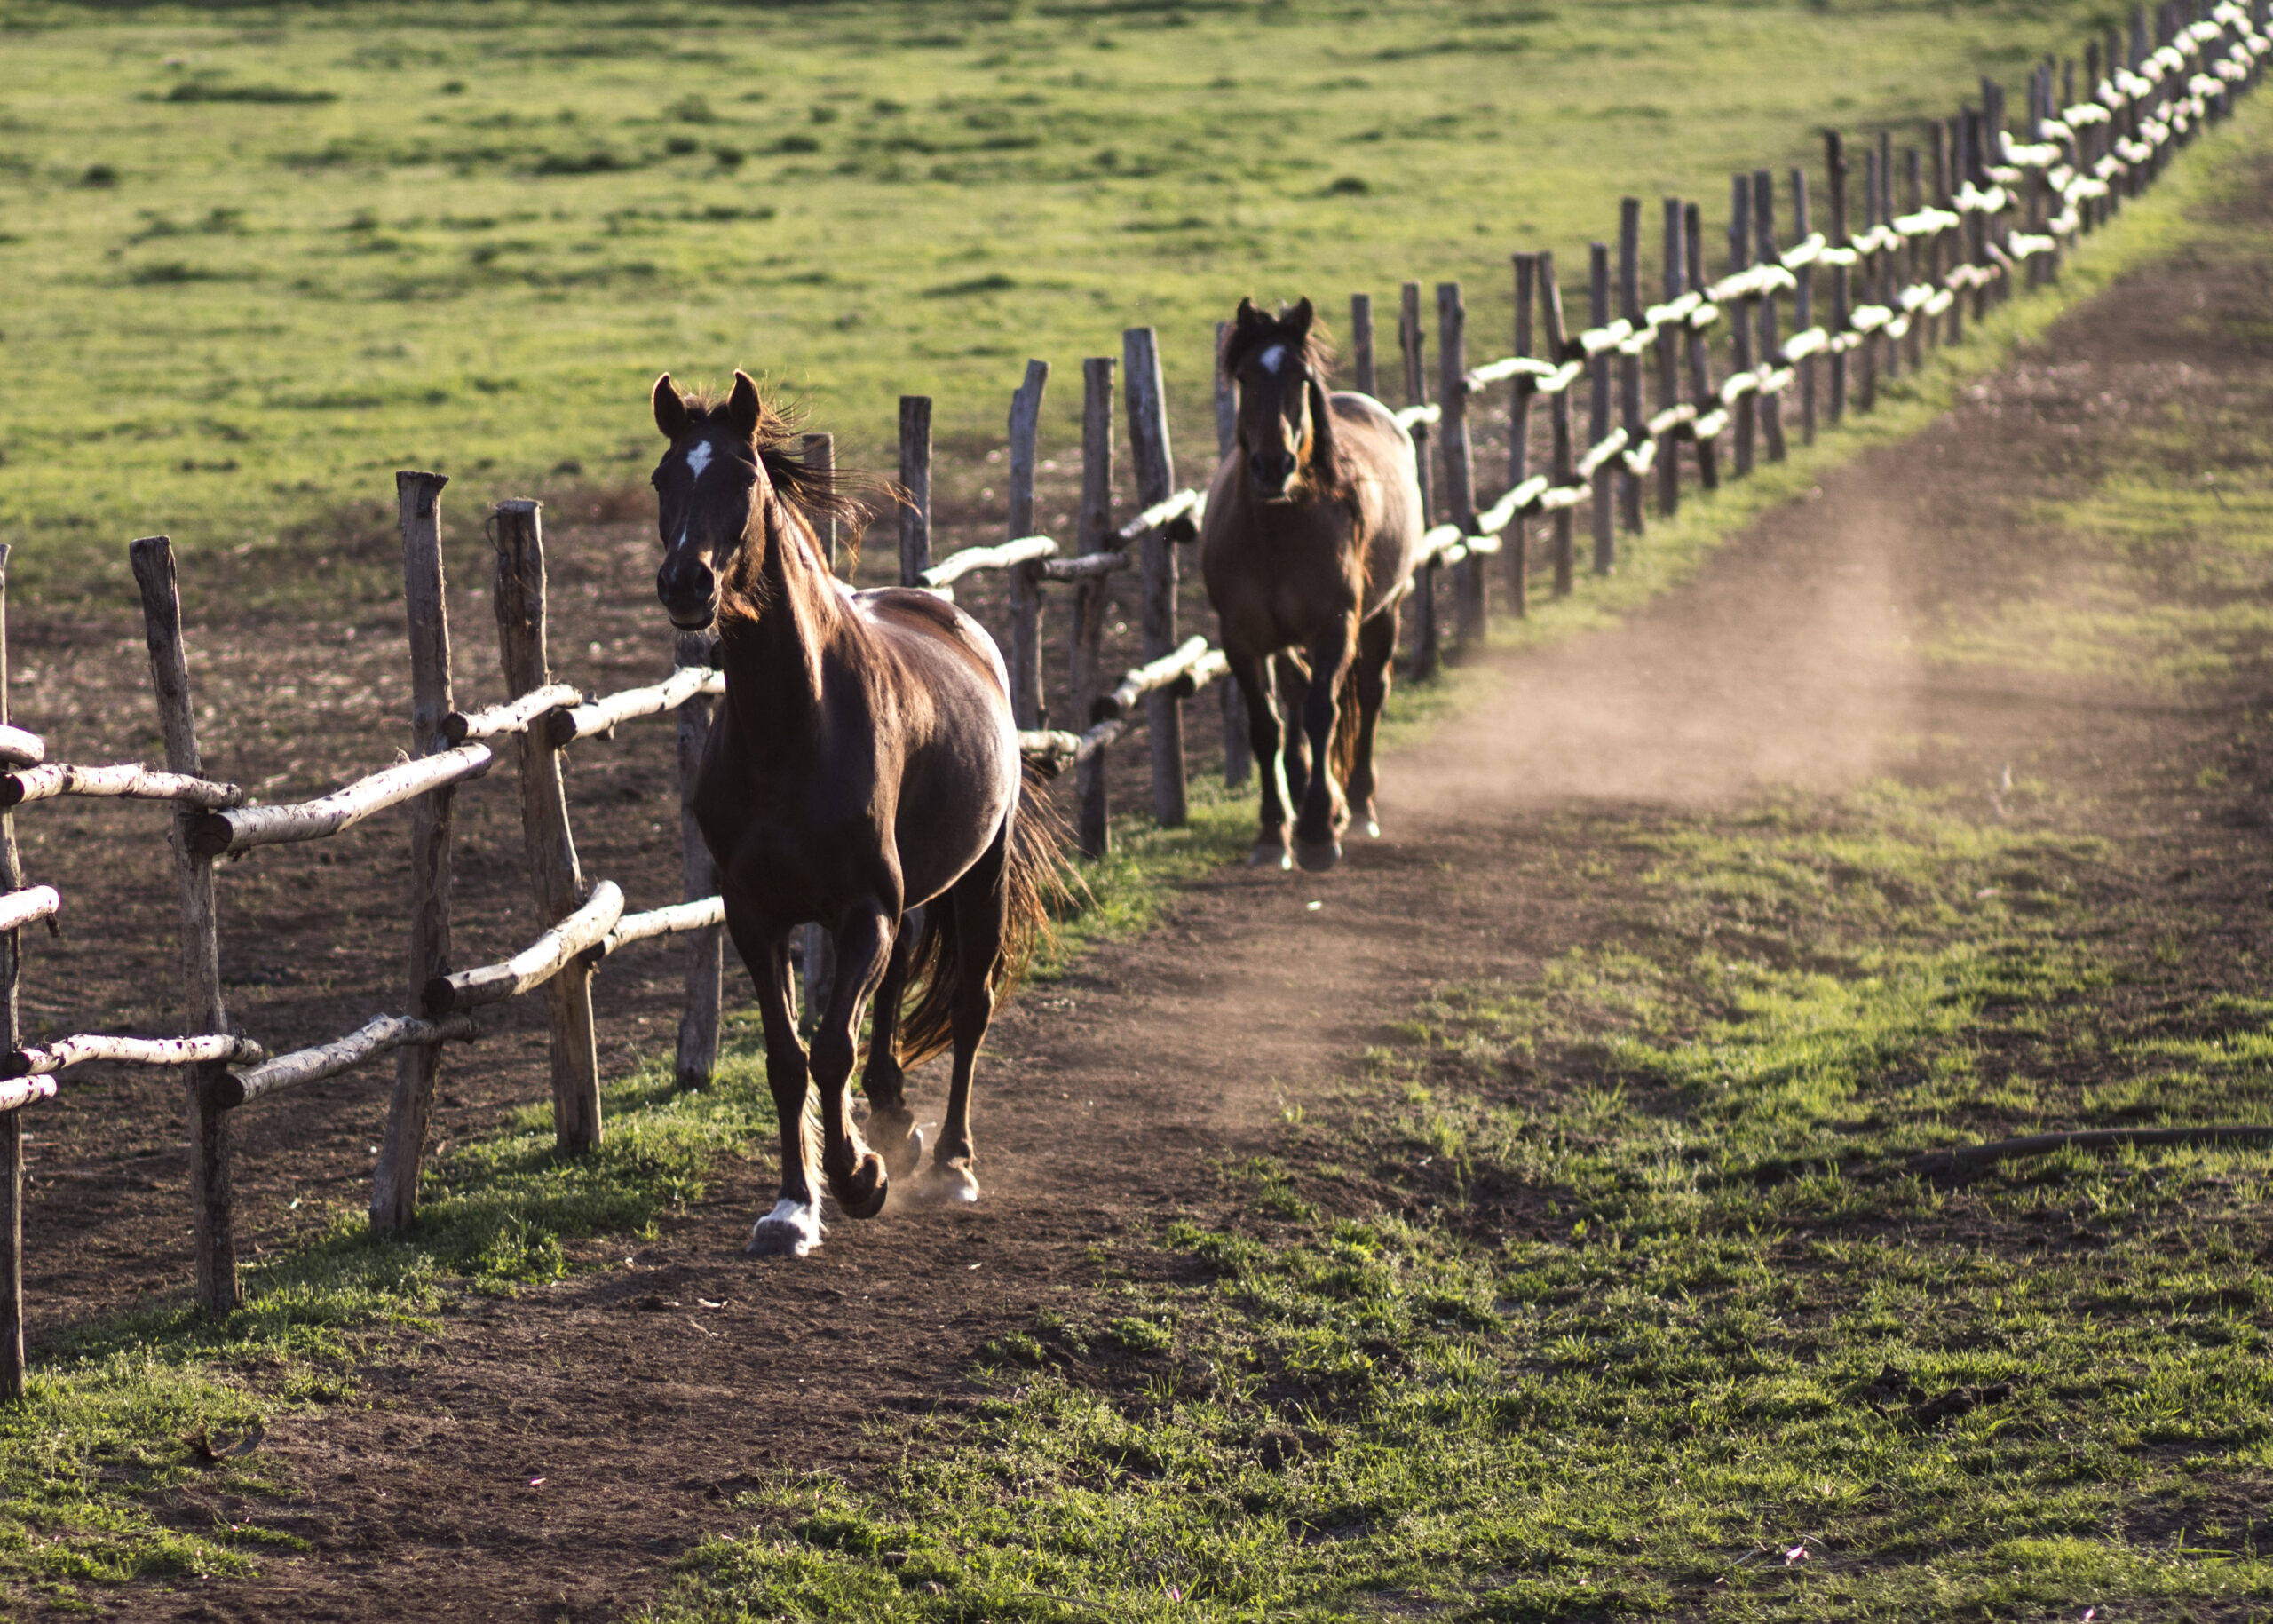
x,y
1412,349
1888,283
1763,227
212,1201
1148,447
1516,547
1977,222
1948,249
1561,466
705,950
1913,251
555,878
1701,350
1803,305
1238,750
1669,363
1842,285
697,1056
1361,344
394,1185
1085,662
1629,360
1866,354
11,1122
915,482
1598,405
1026,706
1741,321
1460,470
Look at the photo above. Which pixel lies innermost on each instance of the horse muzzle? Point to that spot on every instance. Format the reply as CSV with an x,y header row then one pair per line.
x,y
689,590
1272,472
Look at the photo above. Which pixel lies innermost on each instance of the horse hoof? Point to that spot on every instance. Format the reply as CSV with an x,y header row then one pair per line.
x,y
791,1230
1269,855
1317,855
953,1183
861,1192
1373,828
899,1141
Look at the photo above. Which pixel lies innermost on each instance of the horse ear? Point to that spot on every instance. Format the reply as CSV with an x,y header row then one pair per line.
x,y
1248,315
670,411
743,407
1300,318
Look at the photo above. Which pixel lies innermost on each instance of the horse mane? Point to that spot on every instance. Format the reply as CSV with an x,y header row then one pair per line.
x,y
1316,346
812,496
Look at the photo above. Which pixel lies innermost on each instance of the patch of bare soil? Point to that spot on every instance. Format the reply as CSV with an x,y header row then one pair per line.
x,y
550,1455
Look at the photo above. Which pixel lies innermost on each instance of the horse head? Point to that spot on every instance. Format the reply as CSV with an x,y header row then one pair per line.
x,y
709,487
1277,364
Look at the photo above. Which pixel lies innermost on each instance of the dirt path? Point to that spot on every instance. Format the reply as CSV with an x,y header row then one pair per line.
x,y
1789,660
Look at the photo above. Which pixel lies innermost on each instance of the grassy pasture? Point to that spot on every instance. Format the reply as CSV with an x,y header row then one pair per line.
x,y
256,257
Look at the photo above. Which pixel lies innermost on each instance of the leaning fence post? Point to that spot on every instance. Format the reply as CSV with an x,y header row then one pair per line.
x,y
1841,274
394,1185
1889,292
1700,352
1562,469
698,1032
1148,447
1517,546
1629,360
1239,750
1412,345
1946,249
1605,481
1025,579
11,1122
915,481
1361,344
1803,305
1085,652
1669,366
1741,320
212,1200
1460,470
698,1022
1866,383
556,879
1763,229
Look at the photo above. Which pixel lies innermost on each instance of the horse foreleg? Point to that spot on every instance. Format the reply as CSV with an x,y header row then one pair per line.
x,y
1377,647
1260,693
1317,844
982,908
891,1125
1294,689
856,1174
792,1228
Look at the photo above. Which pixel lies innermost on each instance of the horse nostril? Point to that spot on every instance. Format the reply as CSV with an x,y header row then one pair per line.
x,y
684,582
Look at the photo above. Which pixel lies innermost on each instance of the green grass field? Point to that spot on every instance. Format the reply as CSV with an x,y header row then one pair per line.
x,y
257,258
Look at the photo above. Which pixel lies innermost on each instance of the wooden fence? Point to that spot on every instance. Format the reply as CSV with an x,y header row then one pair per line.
x,y
1983,209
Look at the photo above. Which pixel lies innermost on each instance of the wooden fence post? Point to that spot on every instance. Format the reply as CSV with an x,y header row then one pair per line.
x,y
212,1201
556,879
1085,650
11,1122
1516,547
1669,363
1026,704
1599,404
915,481
1148,449
1763,229
1888,277
1948,247
1412,346
1803,305
1460,470
1361,344
1700,352
1742,319
394,1185
1562,465
1239,750
706,951
1843,287
1913,257
1866,379
697,1058
1629,362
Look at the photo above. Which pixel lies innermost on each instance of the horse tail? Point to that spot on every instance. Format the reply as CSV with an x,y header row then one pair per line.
x,y
1036,884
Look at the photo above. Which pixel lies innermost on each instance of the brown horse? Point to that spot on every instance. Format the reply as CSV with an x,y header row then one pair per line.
x,y
865,764
1307,550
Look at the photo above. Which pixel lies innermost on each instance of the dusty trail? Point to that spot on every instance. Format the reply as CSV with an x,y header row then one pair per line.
x,y
1790,660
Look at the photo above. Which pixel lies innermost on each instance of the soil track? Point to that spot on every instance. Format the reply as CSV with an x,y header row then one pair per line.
x,y
1109,1094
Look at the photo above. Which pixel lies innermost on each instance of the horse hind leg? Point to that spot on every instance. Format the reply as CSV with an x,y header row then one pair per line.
x,y
981,902
1376,649
891,1125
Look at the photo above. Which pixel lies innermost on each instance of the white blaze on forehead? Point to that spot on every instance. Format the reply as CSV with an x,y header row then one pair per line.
x,y
698,458
1274,357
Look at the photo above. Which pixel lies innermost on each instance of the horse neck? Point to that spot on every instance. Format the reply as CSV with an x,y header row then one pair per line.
x,y
772,656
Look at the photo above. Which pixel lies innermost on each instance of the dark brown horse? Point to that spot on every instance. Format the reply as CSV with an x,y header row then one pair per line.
x,y
865,764
1308,547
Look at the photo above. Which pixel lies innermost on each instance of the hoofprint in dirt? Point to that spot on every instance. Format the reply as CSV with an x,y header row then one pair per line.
x,y
1110,1094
